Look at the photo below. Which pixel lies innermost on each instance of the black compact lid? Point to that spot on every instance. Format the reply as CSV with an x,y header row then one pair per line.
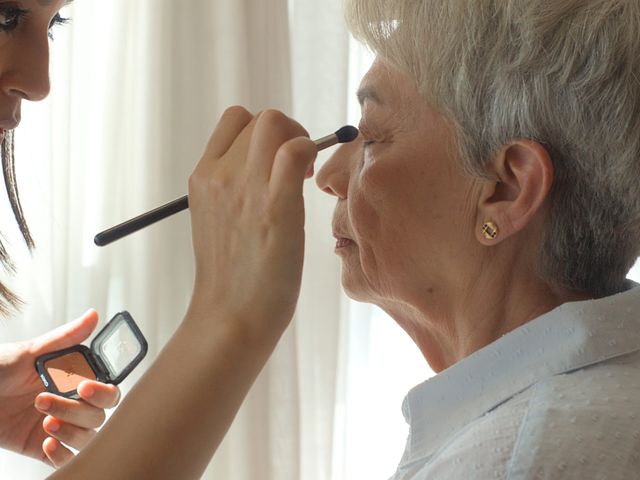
x,y
120,347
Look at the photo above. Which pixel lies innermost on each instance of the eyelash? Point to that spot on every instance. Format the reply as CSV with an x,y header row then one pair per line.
x,y
372,136
369,138
14,16
55,22
364,133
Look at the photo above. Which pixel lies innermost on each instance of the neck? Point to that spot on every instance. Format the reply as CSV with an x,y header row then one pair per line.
x,y
450,324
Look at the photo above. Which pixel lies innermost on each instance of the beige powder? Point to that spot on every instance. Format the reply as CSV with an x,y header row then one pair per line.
x,y
69,370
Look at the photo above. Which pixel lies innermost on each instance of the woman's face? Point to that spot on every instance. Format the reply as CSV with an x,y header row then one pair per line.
x,y
405,213
24,54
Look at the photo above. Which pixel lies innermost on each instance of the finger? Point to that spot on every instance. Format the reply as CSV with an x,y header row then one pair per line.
x,y
273,128
67,335
57,453
97,394
231,123
75,412
310,172
293,160
71,435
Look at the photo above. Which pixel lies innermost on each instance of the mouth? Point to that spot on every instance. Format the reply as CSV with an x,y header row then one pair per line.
x,y
342,241
339,226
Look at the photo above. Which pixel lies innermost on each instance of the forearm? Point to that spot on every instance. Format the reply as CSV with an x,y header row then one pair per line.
x,y
247,216
172,421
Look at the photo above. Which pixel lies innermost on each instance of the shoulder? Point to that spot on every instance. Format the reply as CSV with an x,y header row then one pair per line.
x,y
582,424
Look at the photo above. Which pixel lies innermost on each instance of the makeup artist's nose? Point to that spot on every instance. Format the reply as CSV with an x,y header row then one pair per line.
x,y
333,177
26,69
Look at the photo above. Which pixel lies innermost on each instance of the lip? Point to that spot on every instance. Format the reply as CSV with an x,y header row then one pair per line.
x,y
8,123
342,241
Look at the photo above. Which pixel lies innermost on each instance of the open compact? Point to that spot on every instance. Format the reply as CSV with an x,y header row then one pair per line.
x,y
115,351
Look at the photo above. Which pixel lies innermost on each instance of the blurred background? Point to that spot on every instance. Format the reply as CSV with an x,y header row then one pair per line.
x,y
137,87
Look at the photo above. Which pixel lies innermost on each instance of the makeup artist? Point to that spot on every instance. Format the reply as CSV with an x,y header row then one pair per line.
x,y
23,428
490,206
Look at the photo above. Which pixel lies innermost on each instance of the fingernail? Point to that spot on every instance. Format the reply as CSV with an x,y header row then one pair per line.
x,y
53,426
43,403
88,392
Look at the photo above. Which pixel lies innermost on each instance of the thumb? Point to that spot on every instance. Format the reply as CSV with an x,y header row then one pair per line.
x,y
67,335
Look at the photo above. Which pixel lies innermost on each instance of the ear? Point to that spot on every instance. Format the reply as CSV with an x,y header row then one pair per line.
x,y
524,174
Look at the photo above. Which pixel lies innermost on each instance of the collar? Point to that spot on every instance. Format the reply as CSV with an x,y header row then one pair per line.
x,y
572,336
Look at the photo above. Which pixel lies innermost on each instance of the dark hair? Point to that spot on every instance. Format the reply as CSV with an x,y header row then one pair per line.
x,y
9,300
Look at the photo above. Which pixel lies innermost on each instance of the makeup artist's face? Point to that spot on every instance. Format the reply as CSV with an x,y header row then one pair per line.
x,y
24,54
403,217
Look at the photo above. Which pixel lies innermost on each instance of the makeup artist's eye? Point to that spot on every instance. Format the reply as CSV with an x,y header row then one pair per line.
x,y
10,18
55,21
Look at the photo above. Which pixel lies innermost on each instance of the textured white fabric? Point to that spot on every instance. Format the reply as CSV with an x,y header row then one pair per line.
x,y
558,398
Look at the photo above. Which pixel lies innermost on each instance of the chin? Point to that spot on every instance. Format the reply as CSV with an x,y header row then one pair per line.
x,y
356,287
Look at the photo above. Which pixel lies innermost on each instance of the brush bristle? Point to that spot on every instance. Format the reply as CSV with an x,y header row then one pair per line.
x,y
347,134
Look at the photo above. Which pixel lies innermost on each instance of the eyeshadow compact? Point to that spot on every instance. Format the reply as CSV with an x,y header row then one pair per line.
x,y
115,351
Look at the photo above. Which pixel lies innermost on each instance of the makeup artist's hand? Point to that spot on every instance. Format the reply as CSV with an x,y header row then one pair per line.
x,y
247,216
29,429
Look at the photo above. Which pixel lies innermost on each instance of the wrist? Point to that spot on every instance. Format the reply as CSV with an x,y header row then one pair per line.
x,y
249,327
11,354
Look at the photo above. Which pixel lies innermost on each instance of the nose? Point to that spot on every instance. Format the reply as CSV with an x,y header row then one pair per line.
x,y
25,72
333,177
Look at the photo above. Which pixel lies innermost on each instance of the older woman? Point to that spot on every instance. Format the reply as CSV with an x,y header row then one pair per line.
x,y
492,208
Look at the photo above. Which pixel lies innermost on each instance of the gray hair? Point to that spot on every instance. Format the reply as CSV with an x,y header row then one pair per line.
x,y
563,73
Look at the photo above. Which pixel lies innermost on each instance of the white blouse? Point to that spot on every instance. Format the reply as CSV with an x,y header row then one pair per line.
x,y
558,398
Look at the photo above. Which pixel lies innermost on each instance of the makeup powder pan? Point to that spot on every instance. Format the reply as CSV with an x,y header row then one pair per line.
x,y
114,353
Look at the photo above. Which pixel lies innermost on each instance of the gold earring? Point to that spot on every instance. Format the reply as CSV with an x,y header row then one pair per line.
x,y
490,230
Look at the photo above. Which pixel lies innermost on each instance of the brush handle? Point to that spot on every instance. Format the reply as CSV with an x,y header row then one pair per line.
x,y
345,134
141,221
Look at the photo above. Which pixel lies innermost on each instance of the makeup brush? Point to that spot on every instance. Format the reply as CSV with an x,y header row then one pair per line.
x,y
346,134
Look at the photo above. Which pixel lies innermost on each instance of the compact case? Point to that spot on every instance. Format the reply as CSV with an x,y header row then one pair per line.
x,y
114,353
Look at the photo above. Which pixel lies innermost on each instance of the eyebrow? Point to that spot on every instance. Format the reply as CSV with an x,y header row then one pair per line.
x,y
367,92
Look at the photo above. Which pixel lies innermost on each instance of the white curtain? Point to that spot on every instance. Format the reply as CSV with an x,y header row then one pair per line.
x,y
137,87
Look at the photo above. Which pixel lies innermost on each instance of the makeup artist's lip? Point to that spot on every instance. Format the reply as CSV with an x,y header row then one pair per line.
x,y
6,125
